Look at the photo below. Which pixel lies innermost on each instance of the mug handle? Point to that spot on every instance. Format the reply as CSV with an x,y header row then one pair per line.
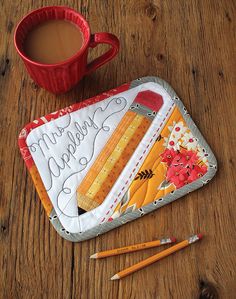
x,y
102,38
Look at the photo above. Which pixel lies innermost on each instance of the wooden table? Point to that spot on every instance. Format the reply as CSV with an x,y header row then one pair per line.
x,y
190,44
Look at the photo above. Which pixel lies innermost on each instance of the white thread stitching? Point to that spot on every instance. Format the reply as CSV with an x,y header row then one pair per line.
x,y
133,170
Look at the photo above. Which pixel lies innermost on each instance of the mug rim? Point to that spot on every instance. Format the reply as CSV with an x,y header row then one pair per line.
x,y
64,62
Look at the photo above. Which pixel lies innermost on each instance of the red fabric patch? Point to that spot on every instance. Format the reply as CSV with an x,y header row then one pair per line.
x,y
150,99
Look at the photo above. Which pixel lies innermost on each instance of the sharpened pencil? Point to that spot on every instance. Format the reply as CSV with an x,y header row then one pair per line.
x,y
156,257
132,248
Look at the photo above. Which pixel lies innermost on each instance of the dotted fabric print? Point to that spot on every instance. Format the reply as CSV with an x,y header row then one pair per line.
x,y
180,160
113,164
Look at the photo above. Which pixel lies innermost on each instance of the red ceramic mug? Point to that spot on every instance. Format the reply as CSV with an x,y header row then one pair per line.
x,y
61,77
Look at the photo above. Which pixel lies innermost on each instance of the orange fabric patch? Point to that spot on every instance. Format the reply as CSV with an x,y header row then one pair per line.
x,y
41,189
122,161
101,159
145,191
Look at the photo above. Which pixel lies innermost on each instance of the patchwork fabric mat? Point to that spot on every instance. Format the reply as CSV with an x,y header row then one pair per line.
x,y
113,158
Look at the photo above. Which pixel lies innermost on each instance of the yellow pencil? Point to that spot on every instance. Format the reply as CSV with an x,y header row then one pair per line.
x,y
132,248
156,257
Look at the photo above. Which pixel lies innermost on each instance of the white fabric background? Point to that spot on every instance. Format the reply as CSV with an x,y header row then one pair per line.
x,y
72,172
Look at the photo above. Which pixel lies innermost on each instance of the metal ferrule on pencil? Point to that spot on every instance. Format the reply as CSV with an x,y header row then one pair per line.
x,y
194,238
166,241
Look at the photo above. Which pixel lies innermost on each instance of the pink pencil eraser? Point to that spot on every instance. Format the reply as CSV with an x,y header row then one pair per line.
x,y
173,239
150,99
200,236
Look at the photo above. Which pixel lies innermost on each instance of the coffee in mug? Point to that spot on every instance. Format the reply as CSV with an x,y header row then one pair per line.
x,y
53,41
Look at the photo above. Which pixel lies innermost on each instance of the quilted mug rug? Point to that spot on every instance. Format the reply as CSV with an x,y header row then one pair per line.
x,y
110,159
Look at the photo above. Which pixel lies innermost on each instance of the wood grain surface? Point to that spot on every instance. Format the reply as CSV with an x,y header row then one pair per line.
x,y
190,44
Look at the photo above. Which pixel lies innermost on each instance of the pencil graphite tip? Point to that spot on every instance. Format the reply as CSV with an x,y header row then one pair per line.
x,y
93,256
115,277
